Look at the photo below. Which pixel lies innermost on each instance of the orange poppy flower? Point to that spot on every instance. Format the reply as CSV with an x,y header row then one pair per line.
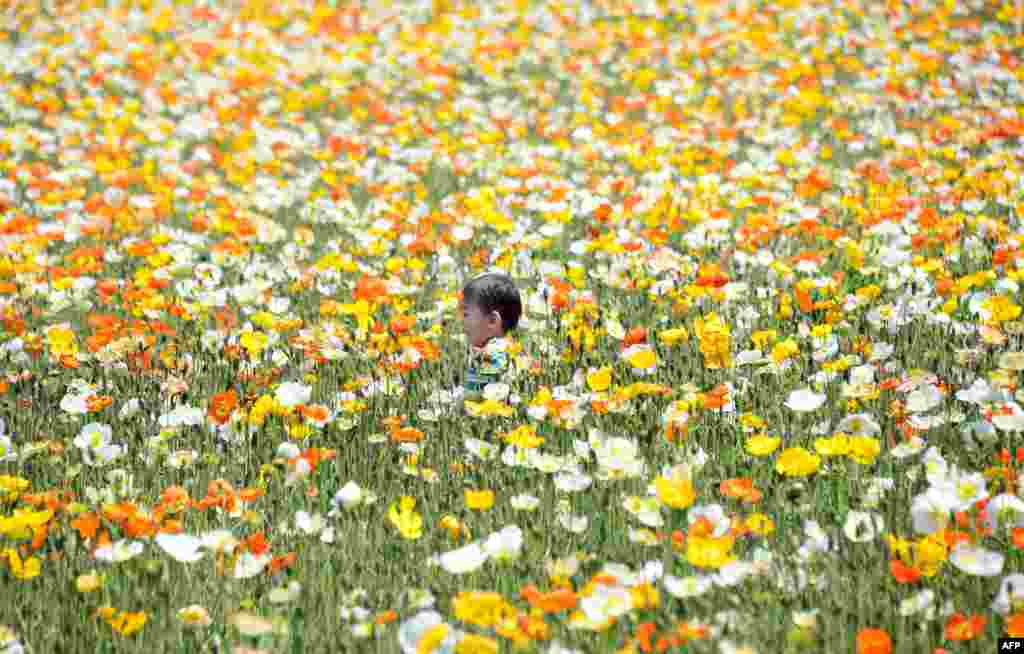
x,y
139,527
250,494
222,405
635,336
52,499
314,412
954,537
644,633
902,573
86,525
559,301
959,627
406,435
740,488
175,498
873,641
1015,625
889,384
96,403
1018,537
172,527
716,398
371,289
256,543
279,563
402,324
119,513
560,599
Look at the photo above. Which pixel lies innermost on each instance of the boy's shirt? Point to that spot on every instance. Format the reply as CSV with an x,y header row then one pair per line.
x,y
487,365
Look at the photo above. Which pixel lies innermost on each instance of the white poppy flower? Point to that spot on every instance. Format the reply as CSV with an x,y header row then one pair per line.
x,y
94,440
859,424
893,257
308,523
881,351
1008,417
1004,510
805,400
651,572
645,509
181,547
732,573
524,502
220,541
618,458
497,391
930,511
863,374
925,422
292,394
966,489
923,398
481,449
543,462
577,524
572,482
182,416
412,631
130,408
817,540
917,603
513,456
606,601
75,403
862,527
981,393
464,559
806,619
93,436
119,551
687,587
348,496
288,450
644,537
936,467
976,561
504,545
285,594
1011,592
249,565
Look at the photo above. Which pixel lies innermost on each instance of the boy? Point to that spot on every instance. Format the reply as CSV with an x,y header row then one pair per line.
x,y
490,309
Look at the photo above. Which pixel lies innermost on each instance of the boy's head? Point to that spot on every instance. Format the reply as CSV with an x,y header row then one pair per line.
x,y
490,308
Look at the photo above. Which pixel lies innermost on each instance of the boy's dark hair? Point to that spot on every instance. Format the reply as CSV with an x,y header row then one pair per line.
x,y
495,292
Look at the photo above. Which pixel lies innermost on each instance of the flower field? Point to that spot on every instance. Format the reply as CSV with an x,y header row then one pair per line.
x,y
766,387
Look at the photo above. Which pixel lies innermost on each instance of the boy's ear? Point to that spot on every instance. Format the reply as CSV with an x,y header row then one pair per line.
x,y
494,316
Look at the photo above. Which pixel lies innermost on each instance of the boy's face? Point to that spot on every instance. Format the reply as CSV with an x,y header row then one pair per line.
x,y
480,327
